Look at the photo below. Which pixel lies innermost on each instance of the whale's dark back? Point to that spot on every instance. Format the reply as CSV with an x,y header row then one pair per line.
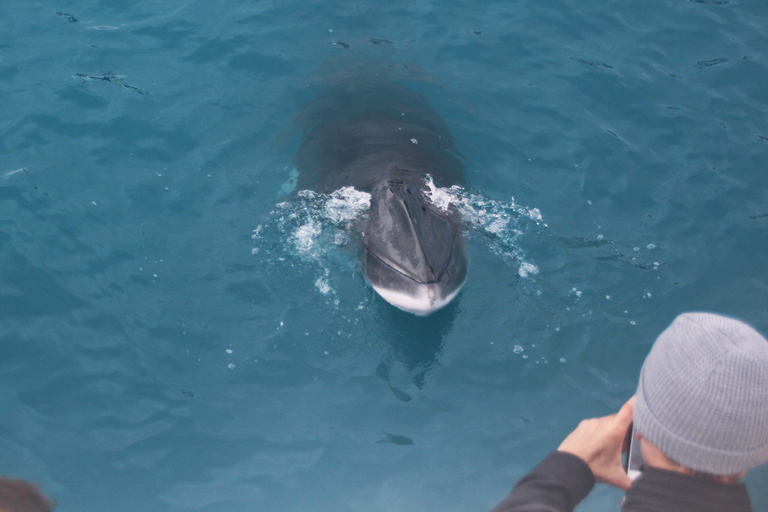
x,y
356,136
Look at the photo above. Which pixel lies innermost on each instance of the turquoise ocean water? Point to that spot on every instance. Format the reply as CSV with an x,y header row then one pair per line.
x,y
181,332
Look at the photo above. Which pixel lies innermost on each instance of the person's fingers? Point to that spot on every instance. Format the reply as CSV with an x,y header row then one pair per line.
x,y
621,480
625,413
598,441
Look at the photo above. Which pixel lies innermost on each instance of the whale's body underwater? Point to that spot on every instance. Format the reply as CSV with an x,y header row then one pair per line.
x,y
385,139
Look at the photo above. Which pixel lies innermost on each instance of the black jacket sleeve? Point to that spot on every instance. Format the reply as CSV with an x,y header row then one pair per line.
x,y
557,484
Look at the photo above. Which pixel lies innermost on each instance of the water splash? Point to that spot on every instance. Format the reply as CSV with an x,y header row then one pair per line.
x,y
500,224
309,228
312,226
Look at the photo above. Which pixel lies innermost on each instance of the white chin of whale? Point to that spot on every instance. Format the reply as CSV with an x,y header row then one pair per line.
x,y
425,301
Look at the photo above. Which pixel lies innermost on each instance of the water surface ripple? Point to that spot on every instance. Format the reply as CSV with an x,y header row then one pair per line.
x,y
159,355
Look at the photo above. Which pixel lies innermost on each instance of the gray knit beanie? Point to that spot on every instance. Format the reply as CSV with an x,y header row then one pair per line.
x,y
702,398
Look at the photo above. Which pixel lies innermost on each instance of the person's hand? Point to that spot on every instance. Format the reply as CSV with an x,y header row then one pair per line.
x,y
600,442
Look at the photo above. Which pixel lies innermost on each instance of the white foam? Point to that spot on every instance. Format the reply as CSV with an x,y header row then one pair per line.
x,y
535,214
498,225
309,194
442,198
527,269
346,204
321,283
304,236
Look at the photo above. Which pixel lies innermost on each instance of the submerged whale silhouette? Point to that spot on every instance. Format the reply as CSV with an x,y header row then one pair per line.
x,y
386,140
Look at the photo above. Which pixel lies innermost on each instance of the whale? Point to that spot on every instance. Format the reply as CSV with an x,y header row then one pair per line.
x,y
385,139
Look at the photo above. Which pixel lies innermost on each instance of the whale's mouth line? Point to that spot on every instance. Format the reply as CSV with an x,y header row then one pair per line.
x,y
400,271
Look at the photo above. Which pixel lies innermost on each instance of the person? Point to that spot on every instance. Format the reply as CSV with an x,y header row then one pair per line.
x,y
22,496
700,413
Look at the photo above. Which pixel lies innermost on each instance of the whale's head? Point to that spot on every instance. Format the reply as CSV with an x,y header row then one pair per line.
x,y
414,252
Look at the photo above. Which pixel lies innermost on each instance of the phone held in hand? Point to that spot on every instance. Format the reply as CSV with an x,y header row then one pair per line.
x,y
634,455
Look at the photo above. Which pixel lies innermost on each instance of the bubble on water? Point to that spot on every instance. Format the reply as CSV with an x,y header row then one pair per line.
x,y
517,349
304,236
498,225
340,238
231,366
527,269
650,246
562,359
322,285
290,184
